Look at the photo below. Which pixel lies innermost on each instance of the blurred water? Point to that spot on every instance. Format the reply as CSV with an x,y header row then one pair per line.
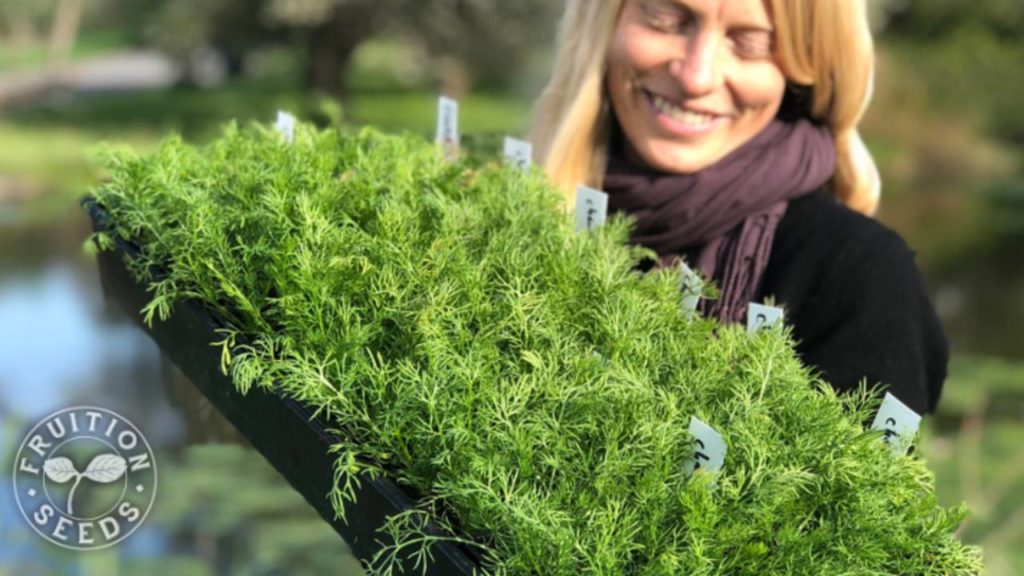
x,y
53,313
57,351
61,345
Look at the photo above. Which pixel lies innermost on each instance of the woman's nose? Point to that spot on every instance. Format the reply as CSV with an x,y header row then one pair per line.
x,y
699,71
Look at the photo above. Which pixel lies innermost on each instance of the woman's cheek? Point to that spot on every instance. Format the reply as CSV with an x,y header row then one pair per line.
x,y
638,49
761,89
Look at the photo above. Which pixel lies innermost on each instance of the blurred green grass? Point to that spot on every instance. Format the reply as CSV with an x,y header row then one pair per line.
x,y
90,44
973,445
197,113
53,146
975,381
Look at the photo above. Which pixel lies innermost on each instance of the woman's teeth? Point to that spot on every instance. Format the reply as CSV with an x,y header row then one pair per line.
x,y
677,113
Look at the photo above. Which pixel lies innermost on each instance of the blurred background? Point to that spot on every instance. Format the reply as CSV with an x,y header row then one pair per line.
x,y
946,126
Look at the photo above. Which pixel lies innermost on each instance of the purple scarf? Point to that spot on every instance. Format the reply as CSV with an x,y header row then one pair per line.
x,y
724,217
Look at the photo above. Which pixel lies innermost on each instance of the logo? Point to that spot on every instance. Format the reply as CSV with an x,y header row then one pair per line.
x,y
84,478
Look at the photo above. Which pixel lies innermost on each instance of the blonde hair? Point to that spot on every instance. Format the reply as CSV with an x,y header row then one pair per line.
x,y
823,44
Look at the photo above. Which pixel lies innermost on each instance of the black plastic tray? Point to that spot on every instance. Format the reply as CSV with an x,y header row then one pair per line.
x,y
282,430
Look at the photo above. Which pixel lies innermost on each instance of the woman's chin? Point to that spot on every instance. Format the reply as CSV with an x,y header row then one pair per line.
x,y
677,159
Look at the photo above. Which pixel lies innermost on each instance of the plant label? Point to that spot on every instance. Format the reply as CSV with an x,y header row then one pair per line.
x,y
761,317
591,208
691,284
518,153
285,126
897,422
709,448
448,127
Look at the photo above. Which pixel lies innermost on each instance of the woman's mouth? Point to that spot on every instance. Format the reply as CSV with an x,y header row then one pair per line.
x,y
678,120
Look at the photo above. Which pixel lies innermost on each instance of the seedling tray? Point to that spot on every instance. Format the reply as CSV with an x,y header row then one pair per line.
x,y
284,431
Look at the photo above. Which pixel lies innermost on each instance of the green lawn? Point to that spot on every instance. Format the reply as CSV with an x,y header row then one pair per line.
x,y
52,148
974,447
89,44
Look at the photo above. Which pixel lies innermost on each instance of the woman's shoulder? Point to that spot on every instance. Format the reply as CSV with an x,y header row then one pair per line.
x,y
819,226
825,254
858,302
821,240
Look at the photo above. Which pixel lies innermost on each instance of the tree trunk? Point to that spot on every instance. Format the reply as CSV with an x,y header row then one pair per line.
x,y
328,58
64,32
332,45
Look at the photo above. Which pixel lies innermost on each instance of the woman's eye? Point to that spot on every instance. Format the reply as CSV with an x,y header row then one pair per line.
x,y
663,17
754,44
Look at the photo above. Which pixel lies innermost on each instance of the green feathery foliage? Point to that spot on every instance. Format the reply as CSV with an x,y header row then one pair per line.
x,y
444,317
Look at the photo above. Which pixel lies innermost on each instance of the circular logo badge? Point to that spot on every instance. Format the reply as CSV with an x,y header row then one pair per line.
x,y
85,478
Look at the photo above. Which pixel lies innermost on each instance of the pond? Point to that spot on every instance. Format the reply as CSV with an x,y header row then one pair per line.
x,y
219,507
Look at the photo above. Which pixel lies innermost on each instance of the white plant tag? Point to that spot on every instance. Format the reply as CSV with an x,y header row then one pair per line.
x,y
761,317
518,153
709,449
691,284
286,126
448,127
591,208
898,422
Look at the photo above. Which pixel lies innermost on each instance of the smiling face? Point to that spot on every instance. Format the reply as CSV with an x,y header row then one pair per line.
x,y
692,80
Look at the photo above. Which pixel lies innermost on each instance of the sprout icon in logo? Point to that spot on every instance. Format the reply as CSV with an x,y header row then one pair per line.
x,y
84,478
104,468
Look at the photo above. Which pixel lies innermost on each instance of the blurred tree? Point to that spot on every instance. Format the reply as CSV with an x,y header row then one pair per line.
x,y
935,19
968,51
183,28
481,41
333,29
21,22
67,18
1006,202
487,40
490,39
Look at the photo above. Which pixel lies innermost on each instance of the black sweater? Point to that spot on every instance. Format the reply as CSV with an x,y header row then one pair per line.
x,y
856,301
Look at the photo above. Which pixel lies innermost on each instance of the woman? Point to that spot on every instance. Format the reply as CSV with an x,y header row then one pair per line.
x,y
728,128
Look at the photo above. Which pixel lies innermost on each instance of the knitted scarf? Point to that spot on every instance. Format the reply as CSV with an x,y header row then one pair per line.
x,y
723,218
